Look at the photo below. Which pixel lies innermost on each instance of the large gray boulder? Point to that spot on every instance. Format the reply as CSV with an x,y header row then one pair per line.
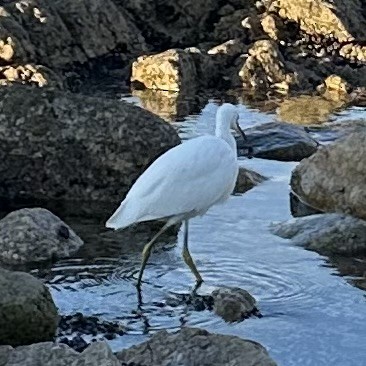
x,y
196,347
53,354
56,145
325,233
35,234
27,311
334,178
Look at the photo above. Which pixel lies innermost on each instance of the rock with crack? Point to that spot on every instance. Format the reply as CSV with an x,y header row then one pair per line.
x,y
27,311
279,141
35,234
325,233
233,304
334,178
196,347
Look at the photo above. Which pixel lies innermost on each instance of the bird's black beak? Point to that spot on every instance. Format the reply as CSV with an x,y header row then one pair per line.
x,y
244,136
238,128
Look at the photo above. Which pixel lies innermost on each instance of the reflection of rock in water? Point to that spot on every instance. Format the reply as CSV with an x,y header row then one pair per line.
x,y
307,109
169,105
352,267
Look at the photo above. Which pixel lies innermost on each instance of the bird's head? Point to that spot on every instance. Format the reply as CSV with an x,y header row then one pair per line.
x,y
229,113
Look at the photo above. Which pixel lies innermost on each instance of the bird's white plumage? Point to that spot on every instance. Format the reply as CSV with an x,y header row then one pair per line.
x,y
186,180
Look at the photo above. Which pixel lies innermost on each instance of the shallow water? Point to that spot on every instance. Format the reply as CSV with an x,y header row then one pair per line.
x,y
311,314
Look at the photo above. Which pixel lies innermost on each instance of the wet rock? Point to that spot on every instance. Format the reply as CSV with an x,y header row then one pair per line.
x,y
35,234
73,328
57,145
308,110
27,311
191,346
57,34
325,233
333,130
279,141
334,178
172,70
233,304
52,354
342,19
247,179
265,69
192,301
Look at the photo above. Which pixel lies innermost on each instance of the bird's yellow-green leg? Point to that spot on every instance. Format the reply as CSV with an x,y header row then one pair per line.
x,y
147,251
187,256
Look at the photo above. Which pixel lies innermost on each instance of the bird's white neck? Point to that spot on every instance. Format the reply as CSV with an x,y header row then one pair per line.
x,y
223,132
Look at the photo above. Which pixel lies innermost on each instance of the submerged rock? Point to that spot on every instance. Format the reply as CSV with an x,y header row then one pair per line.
x,y
35,234
53,354
308,110
334,178
325,233
247,179
73,328
279,141
57,145
233,304
27,311
196,347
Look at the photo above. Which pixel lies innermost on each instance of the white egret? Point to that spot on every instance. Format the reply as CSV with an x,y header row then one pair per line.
x,y
183,183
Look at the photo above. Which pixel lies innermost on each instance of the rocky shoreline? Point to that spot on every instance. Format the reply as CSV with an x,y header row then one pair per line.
x,y
60,144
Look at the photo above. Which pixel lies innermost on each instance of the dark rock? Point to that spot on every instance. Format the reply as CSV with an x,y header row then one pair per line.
x,y
299,209
325,233
27,312
247,179
334,178
279,141
57,34
193,347
32,235
56,145
233,304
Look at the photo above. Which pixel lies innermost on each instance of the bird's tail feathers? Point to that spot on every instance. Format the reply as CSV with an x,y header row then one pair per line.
x,y
121,218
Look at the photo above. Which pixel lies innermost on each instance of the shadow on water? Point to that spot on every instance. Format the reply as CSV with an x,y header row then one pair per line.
x,y
311,313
